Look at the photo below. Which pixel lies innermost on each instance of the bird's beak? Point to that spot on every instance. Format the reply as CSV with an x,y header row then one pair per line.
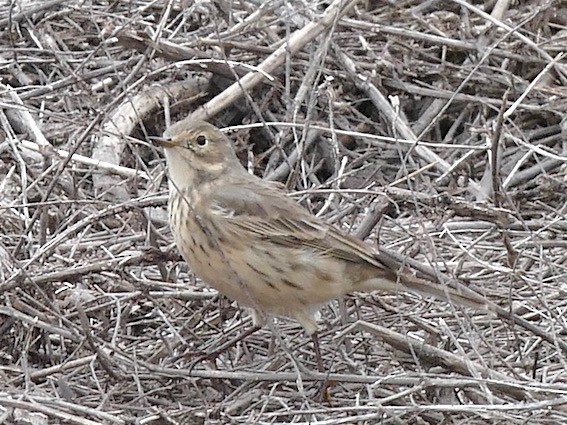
x,y
164,142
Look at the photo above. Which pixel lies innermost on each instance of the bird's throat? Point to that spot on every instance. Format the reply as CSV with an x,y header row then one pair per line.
x,y
185,174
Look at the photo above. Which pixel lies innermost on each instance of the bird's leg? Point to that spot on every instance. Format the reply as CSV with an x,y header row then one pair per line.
x,y
316,348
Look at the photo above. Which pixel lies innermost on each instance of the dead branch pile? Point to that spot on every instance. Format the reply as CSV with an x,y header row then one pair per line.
x,y
434,128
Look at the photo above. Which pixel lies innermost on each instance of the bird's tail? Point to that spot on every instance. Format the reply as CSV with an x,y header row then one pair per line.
x,y
392,272
404,281
462,295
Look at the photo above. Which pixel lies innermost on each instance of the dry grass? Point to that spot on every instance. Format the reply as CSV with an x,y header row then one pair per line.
x,y
102,323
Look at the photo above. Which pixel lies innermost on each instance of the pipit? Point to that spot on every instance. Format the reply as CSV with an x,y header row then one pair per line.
x,y
247,239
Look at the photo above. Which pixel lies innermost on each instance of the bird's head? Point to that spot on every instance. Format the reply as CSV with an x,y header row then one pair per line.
x,y
197,151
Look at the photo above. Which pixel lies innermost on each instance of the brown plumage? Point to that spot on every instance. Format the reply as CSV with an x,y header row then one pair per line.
x,y
247,239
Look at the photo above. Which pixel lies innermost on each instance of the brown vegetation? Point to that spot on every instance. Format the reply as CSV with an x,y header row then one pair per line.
x,y
435,128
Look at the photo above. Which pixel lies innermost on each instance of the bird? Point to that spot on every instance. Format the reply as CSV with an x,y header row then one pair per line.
x,y
246,238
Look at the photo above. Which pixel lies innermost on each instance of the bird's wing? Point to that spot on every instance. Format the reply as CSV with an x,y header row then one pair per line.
x,y
268,213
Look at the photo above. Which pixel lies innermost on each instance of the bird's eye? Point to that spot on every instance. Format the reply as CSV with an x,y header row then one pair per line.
x,y
201,140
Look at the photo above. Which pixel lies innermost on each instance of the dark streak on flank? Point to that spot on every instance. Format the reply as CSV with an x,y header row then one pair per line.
x,y
291,284
222,241
270,284
264,277
255,270
301,267
269,254
211,241
214,236
278,270
201,247
324,276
